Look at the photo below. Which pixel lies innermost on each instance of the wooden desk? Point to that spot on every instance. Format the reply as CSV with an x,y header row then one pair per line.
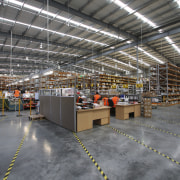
x,y
85,117
122,111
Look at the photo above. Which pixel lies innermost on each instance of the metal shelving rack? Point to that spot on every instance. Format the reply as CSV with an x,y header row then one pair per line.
x,y
165,81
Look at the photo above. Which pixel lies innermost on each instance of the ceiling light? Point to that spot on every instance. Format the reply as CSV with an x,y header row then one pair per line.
x,y
151,56
129,42
26,79
51,31
48,73
40,50
169,40
117,61
133,58
64,19
160,31
178,2
35,76
105,64
138,15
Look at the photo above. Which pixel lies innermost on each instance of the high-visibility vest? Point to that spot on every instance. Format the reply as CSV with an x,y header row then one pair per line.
x,y
16,93
115,99
78,99
105,100
96,97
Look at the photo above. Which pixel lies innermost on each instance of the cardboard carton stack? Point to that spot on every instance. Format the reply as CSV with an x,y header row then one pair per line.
x,y
147,107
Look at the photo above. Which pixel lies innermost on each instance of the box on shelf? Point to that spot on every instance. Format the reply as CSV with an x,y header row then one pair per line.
x,y
147,107
147,115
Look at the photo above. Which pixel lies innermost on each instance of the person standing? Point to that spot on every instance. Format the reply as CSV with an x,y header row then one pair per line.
x,y
96,97
16,93
106,101
115,99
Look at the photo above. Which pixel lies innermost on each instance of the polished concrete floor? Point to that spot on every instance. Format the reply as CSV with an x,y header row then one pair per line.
x,y
50,152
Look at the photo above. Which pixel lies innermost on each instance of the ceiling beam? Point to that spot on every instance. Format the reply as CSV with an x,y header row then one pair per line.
x,y
33,56
145,40
26,38
74,12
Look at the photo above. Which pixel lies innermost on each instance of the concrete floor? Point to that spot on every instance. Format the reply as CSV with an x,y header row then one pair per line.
x,y
50,152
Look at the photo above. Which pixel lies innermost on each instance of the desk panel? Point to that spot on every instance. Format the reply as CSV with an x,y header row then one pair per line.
x,y
122,111
85,118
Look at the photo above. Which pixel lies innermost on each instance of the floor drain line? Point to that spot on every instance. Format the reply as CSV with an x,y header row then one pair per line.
x,y
158,129
16,154
139,142
90,156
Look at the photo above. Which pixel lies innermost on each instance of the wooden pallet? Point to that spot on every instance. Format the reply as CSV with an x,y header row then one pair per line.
x,y
36,117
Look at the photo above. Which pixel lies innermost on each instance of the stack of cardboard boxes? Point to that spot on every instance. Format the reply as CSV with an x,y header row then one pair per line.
x,y
147,108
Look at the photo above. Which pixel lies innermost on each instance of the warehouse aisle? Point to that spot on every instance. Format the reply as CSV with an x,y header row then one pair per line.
x,y
51,152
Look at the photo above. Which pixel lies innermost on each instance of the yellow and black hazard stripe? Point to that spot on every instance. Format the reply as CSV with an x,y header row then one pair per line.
x,y
139,142
170,122
158,129
3,118
15,156
90,156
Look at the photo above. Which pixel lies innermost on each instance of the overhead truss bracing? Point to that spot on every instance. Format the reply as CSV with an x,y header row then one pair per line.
x,y
90,33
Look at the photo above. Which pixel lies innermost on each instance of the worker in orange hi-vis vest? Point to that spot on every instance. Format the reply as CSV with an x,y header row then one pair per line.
x,y
105,100
96,97
115,99
16,93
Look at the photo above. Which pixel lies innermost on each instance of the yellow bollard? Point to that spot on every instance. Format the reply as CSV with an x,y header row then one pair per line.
x,y
19,107
30,107
3,107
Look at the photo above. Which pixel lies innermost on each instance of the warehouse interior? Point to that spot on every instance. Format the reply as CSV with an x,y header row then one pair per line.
x,y
89,89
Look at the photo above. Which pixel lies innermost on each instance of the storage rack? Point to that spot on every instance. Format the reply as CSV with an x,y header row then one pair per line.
x,y
165,81
96,82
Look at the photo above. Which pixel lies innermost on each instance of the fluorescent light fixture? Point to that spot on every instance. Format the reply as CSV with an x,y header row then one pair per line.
x,y
105,64
170,41
133,58
160,31
48,73
39,50
20,80
129,42
26,79
151,56
119,62
61,18
35,76
178,2
87,69
51,31
138,15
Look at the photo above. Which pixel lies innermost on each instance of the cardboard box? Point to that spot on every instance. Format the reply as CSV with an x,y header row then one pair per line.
x,y
147,103
147,107
147,99
147,114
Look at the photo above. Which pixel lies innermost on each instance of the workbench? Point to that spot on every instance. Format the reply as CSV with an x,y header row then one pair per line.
x,y
86,117
122,111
